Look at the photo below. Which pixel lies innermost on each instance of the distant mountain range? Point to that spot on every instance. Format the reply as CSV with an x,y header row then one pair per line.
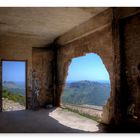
x,y
79,92
14,87
86,92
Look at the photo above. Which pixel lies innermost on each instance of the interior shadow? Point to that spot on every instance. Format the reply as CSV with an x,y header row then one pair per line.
x,y
29,121
124,127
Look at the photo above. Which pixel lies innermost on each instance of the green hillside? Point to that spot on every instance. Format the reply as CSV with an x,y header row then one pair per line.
x,y
18,97
86,92
14,87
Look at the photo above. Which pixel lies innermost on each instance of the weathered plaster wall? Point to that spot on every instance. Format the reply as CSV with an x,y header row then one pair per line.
x,y
118,46
13,47
42,77
125,37
99,42
39,65
130,43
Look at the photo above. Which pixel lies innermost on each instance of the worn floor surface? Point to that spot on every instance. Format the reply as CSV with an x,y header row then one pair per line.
x,y
46,121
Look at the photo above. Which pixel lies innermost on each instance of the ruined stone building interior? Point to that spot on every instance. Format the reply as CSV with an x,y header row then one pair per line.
x,y
47,39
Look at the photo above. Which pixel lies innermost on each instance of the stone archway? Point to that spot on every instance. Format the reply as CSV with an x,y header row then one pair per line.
x,y
100,42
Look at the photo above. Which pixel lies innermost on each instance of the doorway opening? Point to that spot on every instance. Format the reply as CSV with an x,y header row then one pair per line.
x,y
87,86
13,85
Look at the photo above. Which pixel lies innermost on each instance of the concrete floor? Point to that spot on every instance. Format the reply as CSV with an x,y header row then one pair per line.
x,y
45,121
56,120
74,120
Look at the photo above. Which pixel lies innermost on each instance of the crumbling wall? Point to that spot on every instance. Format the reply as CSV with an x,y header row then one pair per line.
x,y
18,47
99,42
125,38
15,48
130,43
39,66
42,79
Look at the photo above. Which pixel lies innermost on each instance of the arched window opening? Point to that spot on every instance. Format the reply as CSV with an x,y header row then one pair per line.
x,y
87,86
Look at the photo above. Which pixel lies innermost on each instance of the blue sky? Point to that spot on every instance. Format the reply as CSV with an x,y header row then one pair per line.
x,y
13,71
89,67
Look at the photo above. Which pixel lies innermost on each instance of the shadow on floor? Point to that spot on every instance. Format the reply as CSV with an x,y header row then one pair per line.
x,y
125,127
29,121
